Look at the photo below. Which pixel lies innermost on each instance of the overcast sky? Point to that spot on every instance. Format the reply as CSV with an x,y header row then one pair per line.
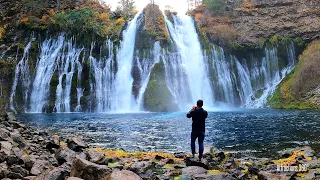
x,y
178,5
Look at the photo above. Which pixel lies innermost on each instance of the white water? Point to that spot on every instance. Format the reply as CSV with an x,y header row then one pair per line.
x,y
186,72
145,68
123,99
46,66
22,72
66,67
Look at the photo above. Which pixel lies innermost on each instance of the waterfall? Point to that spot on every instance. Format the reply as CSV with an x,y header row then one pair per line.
x,y
22,72
66,68
248,85
104,78
145,68
45,68
123,99
186,71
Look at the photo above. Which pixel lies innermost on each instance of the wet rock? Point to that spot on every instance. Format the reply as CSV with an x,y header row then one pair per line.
x,y
39,167
54,142
12,159
14,175
76,144
140,167
64,154
124,175
194,162
169,161
220,156
18,169
180,155
159,158
95,157
28,161
237,174
10,116
192,170
87,170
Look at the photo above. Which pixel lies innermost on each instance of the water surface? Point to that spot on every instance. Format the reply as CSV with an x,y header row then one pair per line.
x,y
261,132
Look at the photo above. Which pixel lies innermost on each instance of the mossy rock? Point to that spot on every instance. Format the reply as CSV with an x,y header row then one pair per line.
x,y
157,97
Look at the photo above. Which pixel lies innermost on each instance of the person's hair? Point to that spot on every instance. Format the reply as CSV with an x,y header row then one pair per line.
x,y
200,103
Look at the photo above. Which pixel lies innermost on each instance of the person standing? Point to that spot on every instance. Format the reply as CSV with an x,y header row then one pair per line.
x,y
198,115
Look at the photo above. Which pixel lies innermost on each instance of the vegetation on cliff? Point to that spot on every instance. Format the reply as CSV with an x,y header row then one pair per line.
x,y
301,88
157,97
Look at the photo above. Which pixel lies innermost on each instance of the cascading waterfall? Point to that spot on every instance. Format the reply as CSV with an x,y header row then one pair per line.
x,y
123,99
46,66
186,72
240,80
116,80
104,79
145,68
22,72
66,68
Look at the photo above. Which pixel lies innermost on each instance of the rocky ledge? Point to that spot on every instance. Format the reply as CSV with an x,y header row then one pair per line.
x,y
27,153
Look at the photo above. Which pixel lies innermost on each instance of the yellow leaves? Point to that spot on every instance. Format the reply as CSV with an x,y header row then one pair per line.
x,y
24,20
103,16
214,172
63,144
3,30
120,20
51,12
290,160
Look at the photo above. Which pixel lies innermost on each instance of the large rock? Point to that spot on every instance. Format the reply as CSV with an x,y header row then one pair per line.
x,y
39,167
87,170
64,154
193,170
140,167
54,142
53,174
194,162
28,161
76,144
5,147
19,170
96,157
10,116
124,175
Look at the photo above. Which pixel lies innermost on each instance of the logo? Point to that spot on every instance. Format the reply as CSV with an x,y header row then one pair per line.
x,y
300,168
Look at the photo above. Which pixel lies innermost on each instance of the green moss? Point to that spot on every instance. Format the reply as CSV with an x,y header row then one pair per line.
x,y
111,165
157,97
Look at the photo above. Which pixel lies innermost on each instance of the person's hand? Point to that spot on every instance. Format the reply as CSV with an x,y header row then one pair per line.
x,y
193,107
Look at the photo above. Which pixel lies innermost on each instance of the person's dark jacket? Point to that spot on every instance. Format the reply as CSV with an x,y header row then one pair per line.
x,y
198,116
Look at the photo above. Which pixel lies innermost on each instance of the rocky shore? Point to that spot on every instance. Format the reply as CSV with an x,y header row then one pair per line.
x,y
29,154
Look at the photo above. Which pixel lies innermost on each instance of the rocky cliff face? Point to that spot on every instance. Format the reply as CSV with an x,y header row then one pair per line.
x,y
258,19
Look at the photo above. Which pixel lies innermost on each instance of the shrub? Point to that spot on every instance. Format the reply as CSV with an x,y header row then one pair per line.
x,y
216,7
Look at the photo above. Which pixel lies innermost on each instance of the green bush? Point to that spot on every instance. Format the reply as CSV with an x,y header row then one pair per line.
x,y
216,7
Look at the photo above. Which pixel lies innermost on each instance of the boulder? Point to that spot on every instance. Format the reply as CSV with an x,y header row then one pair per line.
x,y
193,170
10,116
39,167
87,170
18,169
95,156
54,174
28,161
5,147
54,142
194,162
124,175
4,135
180,155
12,159
64,154
76,144
140,167
159,157
3,170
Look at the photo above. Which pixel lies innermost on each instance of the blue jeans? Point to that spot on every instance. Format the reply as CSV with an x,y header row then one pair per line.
x,y
200,137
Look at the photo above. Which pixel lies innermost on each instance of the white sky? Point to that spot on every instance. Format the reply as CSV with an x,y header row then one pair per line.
x,y
180,6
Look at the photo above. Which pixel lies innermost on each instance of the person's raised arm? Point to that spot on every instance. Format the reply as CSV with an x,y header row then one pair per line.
x,y
189,115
